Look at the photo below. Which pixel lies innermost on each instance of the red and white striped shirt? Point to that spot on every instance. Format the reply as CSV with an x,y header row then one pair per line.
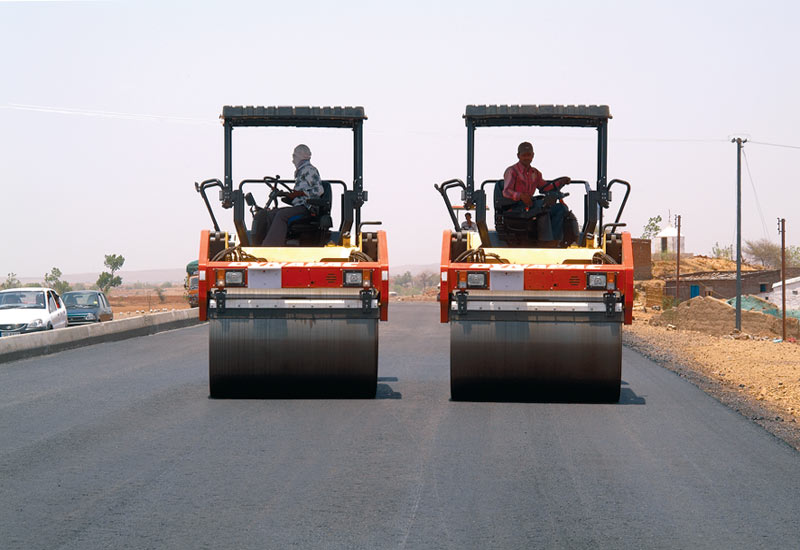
x,y
521,180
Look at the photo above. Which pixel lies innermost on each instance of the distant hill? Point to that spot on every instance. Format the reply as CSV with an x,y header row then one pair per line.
x,y
414,269
129,277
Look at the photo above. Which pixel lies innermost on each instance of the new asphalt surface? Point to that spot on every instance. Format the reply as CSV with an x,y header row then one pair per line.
x,y
117,445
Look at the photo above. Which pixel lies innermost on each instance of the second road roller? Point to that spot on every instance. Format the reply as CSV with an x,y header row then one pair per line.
x,y
535,315
298,318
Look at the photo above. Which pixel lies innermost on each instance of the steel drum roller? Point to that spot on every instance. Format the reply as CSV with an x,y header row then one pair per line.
x,y
293,356
552,357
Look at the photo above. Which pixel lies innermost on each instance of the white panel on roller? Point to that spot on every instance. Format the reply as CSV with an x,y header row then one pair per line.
x,y
501,279
260,277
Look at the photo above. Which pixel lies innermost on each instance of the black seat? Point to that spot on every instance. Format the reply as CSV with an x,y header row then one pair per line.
x,y
521,230
313,229
510,227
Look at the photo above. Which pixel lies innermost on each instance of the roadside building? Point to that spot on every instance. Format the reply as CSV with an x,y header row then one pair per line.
x,y
774,295
722,284
666,242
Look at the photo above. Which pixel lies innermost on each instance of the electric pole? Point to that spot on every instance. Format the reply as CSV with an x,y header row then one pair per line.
x,y
782,231
739,143
678,263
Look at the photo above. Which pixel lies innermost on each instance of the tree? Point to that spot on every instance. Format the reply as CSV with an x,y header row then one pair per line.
x,y
53,280
11,282
426,279
793,256
107,279
405,279
723,252
652,228
763,251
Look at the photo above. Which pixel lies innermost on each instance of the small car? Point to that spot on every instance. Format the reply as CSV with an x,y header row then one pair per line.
x,y
30,309
87,306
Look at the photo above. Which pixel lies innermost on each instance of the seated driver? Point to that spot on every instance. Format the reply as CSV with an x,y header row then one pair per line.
x,y
270,226
521,181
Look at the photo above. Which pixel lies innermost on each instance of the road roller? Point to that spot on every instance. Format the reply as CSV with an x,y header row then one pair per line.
x,y
534,320
298,320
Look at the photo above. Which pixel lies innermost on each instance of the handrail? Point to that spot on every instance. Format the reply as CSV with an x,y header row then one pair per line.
x,y
442,189
624,200
201,188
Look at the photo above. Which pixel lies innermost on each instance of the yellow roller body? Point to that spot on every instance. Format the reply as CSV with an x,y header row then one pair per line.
x,y
534,324
296,322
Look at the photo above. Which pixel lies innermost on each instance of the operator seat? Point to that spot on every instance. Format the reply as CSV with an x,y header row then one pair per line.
x,y
509,227
313,229
524,230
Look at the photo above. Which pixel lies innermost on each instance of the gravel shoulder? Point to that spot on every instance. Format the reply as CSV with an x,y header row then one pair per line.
x,y
760,379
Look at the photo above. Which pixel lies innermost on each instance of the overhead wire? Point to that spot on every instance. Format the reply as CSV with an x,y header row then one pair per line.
x,y
775,144
755,194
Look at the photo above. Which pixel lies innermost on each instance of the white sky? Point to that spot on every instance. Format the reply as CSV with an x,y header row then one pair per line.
x,y
681,78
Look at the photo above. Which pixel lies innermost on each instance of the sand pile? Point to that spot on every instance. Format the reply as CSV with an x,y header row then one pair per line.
x,y
716,317
664,269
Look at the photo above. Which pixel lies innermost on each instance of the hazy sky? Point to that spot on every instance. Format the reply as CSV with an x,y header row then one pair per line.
x,y
109,113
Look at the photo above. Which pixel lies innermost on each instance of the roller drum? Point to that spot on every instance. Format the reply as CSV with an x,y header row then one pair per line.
x,y
539,359
293,357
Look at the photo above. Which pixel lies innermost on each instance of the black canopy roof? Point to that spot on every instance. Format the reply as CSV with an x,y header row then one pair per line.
x,y
316,117
537,115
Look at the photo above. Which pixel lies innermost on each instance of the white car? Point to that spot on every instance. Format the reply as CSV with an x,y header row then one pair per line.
x,y
30,309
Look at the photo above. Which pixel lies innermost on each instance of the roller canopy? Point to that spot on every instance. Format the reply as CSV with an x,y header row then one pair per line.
x,y
314,117
537,115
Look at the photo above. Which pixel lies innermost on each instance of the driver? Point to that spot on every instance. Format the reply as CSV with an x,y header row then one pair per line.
x,y
521,180
270,226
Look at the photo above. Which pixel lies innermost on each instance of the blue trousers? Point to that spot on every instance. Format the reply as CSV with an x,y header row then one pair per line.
x,y
549,224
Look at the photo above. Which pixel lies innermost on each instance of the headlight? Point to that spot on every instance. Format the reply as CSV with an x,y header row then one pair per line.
x,y
477,279
596,280
234,278
353,278
473,279
90,317
36,323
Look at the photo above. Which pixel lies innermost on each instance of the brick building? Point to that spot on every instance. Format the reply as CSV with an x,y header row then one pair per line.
x,y
722,284
642,260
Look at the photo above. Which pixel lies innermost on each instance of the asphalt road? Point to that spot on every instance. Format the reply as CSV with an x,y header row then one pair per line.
x,y
118,446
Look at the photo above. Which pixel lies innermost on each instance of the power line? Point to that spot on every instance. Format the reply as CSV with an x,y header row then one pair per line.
x,y
758,203
106,114
775,145
671,140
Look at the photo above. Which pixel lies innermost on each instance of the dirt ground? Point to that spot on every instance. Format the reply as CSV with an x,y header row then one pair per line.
x,y
129,302
748,371
666,268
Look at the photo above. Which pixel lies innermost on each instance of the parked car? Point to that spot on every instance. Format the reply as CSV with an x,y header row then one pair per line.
x,y
192,290
87,306
30,309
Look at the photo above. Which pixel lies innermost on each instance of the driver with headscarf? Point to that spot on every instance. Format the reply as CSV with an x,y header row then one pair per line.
x,y
270,226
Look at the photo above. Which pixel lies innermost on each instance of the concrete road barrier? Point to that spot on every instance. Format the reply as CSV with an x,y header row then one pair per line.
x,y
23,346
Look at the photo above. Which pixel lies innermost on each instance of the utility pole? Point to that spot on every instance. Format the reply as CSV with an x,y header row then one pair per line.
x,y
678,264
739,142
782,231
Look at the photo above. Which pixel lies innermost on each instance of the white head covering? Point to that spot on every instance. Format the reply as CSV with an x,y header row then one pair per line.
x,y
300,154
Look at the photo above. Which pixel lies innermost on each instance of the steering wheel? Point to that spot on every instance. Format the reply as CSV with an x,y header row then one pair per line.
x,y
549,198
